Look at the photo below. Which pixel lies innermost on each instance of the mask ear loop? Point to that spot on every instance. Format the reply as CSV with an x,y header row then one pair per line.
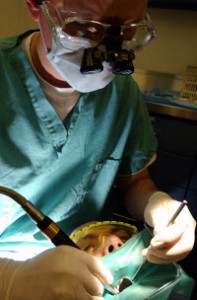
x,y
177,277
54,21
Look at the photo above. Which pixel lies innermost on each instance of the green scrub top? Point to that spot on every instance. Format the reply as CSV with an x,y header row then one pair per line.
x,y
66,170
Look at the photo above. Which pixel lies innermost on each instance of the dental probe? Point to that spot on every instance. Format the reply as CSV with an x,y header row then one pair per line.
x,y
174,216
47,226
177,212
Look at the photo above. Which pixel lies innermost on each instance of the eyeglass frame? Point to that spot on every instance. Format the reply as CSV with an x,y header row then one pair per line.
x,y
57,22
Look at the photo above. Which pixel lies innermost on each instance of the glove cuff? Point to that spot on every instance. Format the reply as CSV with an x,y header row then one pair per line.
x,y
8,271
155,201
157,196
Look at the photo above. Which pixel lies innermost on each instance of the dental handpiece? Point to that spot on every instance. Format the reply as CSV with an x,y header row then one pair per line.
x,y
47,226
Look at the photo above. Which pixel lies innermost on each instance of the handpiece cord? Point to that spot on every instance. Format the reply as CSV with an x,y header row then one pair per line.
x,y
47,226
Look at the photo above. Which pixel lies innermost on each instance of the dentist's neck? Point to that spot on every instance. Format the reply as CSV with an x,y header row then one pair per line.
x,y
42,65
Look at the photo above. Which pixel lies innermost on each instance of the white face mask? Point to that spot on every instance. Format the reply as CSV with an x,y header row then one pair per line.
x,y
67,63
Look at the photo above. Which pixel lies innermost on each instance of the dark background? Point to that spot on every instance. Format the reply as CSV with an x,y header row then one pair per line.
x,y
174,4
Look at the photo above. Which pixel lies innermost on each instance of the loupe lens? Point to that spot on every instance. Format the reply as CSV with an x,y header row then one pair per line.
x,y
91,62
123,68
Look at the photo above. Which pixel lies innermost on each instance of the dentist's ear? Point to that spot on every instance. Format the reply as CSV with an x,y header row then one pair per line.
x,y
33,9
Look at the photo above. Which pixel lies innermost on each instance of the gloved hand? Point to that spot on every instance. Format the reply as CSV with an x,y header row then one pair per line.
x,y
59,273
172,243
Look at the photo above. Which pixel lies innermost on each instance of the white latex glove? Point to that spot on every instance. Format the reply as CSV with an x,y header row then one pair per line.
x,y
172,243
62,273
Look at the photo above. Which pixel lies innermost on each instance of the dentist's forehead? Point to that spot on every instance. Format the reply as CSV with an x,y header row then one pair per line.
x,y
133,10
